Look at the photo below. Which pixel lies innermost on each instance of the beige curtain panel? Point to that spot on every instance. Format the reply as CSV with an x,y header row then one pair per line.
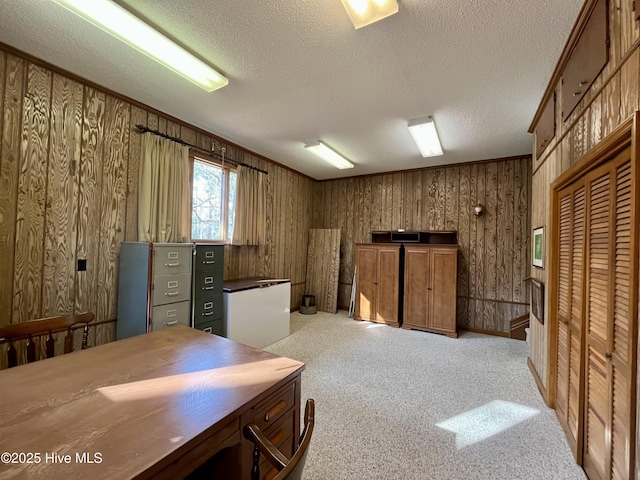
x,y
163,194
251,201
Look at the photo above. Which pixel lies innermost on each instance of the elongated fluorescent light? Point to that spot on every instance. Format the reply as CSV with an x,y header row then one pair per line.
x,y
424,133
120,23
329,155
366,12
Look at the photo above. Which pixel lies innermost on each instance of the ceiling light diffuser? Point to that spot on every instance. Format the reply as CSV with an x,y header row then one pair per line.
x,y
120,23
424,133
329,155
366,12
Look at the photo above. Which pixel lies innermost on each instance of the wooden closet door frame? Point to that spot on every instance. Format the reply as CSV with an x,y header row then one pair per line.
x,y
627,134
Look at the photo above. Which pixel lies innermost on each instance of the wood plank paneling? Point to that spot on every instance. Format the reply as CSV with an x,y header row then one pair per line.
x,y
323,266
32,184
455,190
89,201
138,117
13,74
58,287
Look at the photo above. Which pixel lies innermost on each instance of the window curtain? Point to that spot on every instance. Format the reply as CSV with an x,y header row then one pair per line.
x,y
163,194
251,201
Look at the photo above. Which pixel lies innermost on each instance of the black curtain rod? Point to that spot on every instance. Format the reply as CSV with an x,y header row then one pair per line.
x,y
144,129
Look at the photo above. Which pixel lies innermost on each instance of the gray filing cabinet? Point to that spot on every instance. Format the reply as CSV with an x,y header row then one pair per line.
x,y
208,268
154,287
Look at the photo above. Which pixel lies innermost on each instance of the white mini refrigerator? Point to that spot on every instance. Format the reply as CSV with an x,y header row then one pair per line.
x,y
256,310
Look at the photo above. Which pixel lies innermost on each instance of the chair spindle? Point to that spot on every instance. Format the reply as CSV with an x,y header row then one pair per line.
x,y
12,355
31,350
68,341
49,345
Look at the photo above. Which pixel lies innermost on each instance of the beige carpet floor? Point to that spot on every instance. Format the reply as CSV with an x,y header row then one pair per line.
x,y
401,404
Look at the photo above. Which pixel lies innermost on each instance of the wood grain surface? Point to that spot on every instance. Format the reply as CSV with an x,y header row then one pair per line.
x,y
69,161
323,268
612,98
435,198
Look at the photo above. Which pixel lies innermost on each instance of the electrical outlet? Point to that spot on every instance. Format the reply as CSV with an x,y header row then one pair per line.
x,y
82,265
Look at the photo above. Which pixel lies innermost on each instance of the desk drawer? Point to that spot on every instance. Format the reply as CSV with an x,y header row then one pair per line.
x,y
169,315
171,288
281,435
169,259
268,412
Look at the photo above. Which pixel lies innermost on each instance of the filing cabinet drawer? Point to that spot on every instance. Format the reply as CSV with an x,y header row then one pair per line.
x,y
271,410
170,259
207,309
207,284
211,326
171,288
169,315
209,258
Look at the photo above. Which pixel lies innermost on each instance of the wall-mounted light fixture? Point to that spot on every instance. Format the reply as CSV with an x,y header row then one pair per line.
x,y
329,155
424,133
125,26
366,12
478,209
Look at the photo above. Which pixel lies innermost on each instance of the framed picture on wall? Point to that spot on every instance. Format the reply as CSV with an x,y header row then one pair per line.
x,y
537,300
538,247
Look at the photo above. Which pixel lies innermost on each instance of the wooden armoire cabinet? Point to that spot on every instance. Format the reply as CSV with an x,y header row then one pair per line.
x,y
411,283
430,283
594,305
377,283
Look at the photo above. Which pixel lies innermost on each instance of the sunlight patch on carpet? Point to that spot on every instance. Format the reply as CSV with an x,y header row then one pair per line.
x,y
486,421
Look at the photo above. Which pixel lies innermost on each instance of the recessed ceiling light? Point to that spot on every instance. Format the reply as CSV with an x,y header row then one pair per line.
x,y
120,23
424,133
329,155
366,12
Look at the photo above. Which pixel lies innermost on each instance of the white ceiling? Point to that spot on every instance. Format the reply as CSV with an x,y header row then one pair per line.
x,y
299,72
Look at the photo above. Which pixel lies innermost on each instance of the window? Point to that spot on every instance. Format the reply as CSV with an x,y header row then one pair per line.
x,y
213,201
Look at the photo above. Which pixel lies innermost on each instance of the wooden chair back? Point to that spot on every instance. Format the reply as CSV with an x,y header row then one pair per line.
x,y
288,469
43,326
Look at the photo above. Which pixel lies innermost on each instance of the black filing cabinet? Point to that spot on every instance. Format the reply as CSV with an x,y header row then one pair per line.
x,y
208,268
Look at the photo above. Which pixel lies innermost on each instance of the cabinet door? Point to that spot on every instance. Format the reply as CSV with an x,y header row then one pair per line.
x,y
443,289
388,276
416,281
366,261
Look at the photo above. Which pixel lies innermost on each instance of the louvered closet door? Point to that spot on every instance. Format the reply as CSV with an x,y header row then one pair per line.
x,y
569,383
610,285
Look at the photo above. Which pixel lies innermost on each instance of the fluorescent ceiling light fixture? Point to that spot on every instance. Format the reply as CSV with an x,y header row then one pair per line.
x,y
329,155
120,23
366,12
424,133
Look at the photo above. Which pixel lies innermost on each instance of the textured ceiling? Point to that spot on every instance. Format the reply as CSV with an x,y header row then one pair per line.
x,y
299,72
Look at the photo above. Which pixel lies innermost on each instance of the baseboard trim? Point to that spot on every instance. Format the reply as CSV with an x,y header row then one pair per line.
x,y
485,332
543,391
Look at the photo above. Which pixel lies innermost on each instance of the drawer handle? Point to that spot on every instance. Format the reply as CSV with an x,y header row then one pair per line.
x,y
208,330
171,323
207,314
171,294
208,262
582,83
177,264
275,410
608,355
575,94
207,288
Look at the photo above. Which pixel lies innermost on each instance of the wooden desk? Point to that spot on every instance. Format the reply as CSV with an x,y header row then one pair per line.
x,y
154,405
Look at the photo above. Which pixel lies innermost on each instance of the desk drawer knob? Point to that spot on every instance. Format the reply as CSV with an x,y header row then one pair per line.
x,y
275,411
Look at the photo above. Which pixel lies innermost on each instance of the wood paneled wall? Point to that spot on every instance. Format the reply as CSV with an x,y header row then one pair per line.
x,y
613,97
68,191
494,253
323,268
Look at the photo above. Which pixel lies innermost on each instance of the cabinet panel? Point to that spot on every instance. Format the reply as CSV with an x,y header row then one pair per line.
x,y
546,128
443,290
366,261
388,274
587,60
206,284
209,258
416,279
